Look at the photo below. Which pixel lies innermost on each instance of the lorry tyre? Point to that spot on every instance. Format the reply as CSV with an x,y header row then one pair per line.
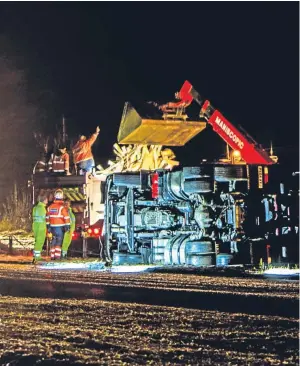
x,y
200,260
197,253
198,247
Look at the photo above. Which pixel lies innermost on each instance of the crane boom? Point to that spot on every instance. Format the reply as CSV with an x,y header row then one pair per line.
x,y
249,149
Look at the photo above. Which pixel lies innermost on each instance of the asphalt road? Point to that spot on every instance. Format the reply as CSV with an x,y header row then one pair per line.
x,y
71,317
249,295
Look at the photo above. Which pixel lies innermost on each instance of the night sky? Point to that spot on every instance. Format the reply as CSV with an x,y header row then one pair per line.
x,y
85,59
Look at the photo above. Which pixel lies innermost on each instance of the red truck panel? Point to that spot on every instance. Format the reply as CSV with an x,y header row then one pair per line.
x,y
250,152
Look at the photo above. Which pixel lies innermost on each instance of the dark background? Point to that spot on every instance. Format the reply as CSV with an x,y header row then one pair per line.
x,y
85,59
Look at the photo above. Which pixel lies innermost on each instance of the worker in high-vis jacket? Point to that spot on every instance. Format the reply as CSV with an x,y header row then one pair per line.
x,y
39,226
58,223
59,162
68,235
82,153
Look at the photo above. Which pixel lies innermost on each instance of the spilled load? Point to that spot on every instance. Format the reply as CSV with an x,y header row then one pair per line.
x,y
134,158
146,128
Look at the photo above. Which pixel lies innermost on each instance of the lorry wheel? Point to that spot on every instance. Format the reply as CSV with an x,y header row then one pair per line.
x,y
197,186
197,172
197,253
200,260
173,253
228,173
198,247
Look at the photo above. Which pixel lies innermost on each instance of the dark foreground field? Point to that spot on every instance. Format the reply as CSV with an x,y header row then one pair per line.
x,y
45,331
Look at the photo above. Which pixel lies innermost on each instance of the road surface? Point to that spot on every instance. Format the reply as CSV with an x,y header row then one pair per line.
x,y
102,318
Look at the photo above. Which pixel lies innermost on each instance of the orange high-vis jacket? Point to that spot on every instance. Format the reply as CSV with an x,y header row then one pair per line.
x,y
59,163
57,214
82,150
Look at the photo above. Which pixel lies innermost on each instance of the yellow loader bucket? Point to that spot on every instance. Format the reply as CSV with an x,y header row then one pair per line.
x,y
150,127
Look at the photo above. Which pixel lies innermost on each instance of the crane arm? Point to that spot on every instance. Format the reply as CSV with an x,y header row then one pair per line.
x,y
250,151
239,140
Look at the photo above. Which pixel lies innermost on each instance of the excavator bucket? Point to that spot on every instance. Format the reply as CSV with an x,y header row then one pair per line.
x,y
147,125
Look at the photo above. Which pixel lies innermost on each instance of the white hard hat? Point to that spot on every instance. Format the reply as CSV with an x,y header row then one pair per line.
x,y
59,194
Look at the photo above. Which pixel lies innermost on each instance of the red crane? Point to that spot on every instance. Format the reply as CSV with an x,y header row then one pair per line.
x,y
236,138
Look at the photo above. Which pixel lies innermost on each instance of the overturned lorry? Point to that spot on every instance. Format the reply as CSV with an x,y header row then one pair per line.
x,y
237,211
202,215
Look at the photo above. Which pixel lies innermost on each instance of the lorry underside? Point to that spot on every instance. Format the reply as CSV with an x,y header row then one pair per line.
x,y
194,215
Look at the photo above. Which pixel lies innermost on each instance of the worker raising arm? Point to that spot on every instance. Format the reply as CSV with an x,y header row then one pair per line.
x,y
82,152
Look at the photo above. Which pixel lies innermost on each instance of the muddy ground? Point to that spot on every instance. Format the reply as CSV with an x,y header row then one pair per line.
x,y
52,326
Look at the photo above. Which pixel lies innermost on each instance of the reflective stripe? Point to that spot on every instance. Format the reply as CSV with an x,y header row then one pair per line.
x,y
39,219
52,252
58,225
37,253
57,252
39,213
58,214
59,163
